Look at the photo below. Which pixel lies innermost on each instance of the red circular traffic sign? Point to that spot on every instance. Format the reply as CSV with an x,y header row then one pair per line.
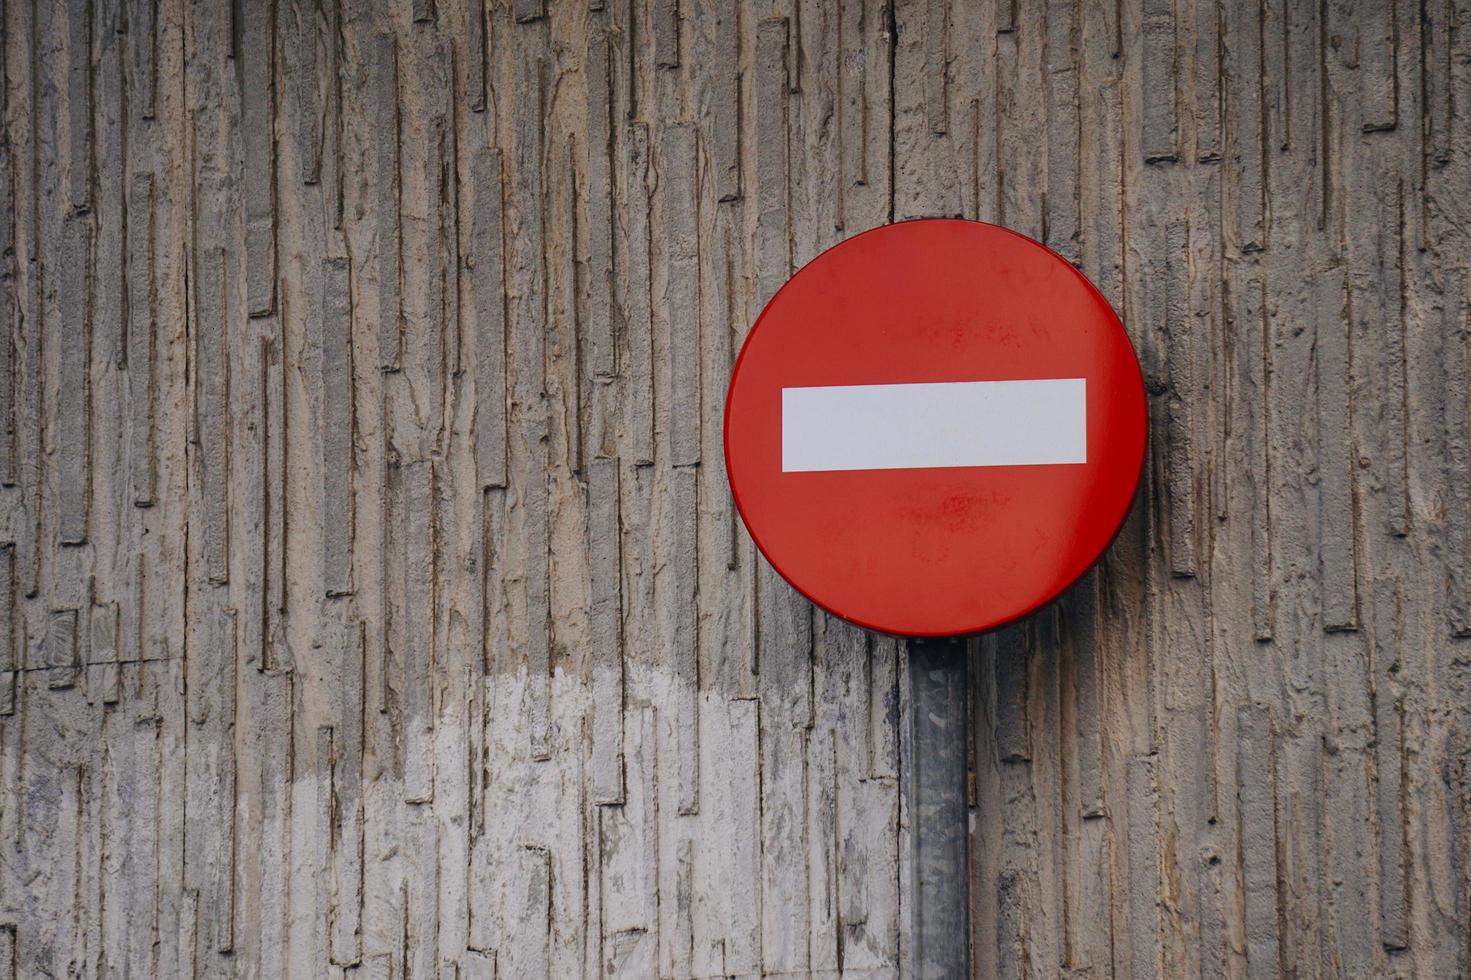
x,y
935,427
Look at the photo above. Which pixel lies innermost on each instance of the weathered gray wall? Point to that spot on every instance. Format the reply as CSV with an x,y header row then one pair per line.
x,y
373,602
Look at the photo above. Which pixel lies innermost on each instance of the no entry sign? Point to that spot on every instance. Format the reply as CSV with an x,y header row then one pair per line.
x,y
935,427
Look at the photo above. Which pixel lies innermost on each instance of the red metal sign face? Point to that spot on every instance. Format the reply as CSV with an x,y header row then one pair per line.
x,y
935,427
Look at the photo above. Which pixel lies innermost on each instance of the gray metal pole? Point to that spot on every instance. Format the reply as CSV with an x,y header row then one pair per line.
x,y
938,818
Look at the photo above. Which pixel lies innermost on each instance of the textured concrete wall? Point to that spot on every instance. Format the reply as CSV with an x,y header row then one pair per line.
x,y
371,602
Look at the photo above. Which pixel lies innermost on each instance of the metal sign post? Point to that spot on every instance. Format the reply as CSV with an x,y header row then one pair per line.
x,y
939,824
934,429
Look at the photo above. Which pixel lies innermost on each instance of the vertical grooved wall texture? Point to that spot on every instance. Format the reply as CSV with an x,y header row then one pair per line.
x,y
372,602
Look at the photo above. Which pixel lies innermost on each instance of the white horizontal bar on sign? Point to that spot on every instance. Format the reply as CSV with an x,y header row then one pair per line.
x,y
908,426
